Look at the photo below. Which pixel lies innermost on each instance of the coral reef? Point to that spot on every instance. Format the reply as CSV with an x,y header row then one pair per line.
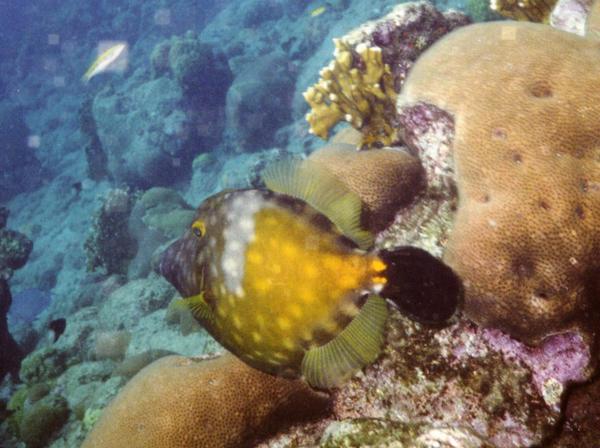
x,y
523,238
200,70
19,168
382,433
15,247
149,133
460,386
370,64
582,418
95,156
133,364
43,364
41,419
258,103
36,414
473,380
186,402
111,344
109,245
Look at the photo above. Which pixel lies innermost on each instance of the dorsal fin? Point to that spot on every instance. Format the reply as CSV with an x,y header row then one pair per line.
x,y
356,346
315,185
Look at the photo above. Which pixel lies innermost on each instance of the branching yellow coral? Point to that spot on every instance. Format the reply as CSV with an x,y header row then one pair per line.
x,y
525,10
357,87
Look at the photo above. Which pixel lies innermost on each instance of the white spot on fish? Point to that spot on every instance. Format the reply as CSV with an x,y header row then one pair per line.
x,y
238,233
247,225
230,266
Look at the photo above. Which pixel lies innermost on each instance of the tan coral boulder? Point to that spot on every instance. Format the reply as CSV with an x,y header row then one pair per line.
x,y
179,402
525,99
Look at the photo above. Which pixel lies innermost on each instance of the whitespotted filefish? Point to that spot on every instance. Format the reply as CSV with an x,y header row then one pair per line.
x,y
283,277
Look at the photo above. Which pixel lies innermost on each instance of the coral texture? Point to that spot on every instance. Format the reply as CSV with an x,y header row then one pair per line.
x,y
525,153
200,70
369,66
109,244
258,103
382,433
582,418
41,419
94,153
185,402
149,134
19,168
15,249
462,376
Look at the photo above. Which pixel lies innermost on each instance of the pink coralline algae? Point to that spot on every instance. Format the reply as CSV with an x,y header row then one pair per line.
x,y
561,360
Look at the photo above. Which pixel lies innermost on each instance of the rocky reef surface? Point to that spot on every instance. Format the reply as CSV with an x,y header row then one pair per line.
x,y
124,162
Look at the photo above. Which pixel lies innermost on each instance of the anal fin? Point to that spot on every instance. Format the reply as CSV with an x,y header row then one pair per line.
x,y
354,347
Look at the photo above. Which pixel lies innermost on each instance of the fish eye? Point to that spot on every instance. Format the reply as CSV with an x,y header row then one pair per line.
x,y
199,228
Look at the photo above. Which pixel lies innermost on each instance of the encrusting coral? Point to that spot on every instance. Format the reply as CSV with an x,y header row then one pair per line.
x,y
524,99
186,402
361,83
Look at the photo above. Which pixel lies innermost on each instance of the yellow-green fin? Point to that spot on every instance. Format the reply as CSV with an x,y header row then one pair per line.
x,y
199,308
314,184
356,346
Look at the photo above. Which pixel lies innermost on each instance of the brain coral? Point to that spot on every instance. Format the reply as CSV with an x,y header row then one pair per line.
x,y
525,99
179,402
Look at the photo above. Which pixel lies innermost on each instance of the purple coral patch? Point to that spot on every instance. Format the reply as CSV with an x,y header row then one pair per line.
x,y
560,360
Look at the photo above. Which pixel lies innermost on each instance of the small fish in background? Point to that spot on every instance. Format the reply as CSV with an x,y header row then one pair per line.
x,y
112,57
318,11
286,279
57,327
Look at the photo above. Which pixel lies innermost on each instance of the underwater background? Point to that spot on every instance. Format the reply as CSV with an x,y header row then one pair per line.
x,y
119,117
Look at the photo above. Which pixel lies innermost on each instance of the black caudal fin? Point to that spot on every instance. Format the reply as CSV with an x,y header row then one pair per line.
x,y
420,285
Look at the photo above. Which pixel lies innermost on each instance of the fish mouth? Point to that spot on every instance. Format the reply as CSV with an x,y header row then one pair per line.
x,y
177,266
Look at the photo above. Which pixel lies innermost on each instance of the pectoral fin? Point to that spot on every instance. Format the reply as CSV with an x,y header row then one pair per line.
x,y
198,307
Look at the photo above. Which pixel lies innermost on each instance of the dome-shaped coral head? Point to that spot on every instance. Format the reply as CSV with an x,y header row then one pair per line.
x,y
285,285
525,99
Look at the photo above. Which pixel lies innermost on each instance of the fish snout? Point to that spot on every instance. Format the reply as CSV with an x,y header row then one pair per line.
x,y
176,266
